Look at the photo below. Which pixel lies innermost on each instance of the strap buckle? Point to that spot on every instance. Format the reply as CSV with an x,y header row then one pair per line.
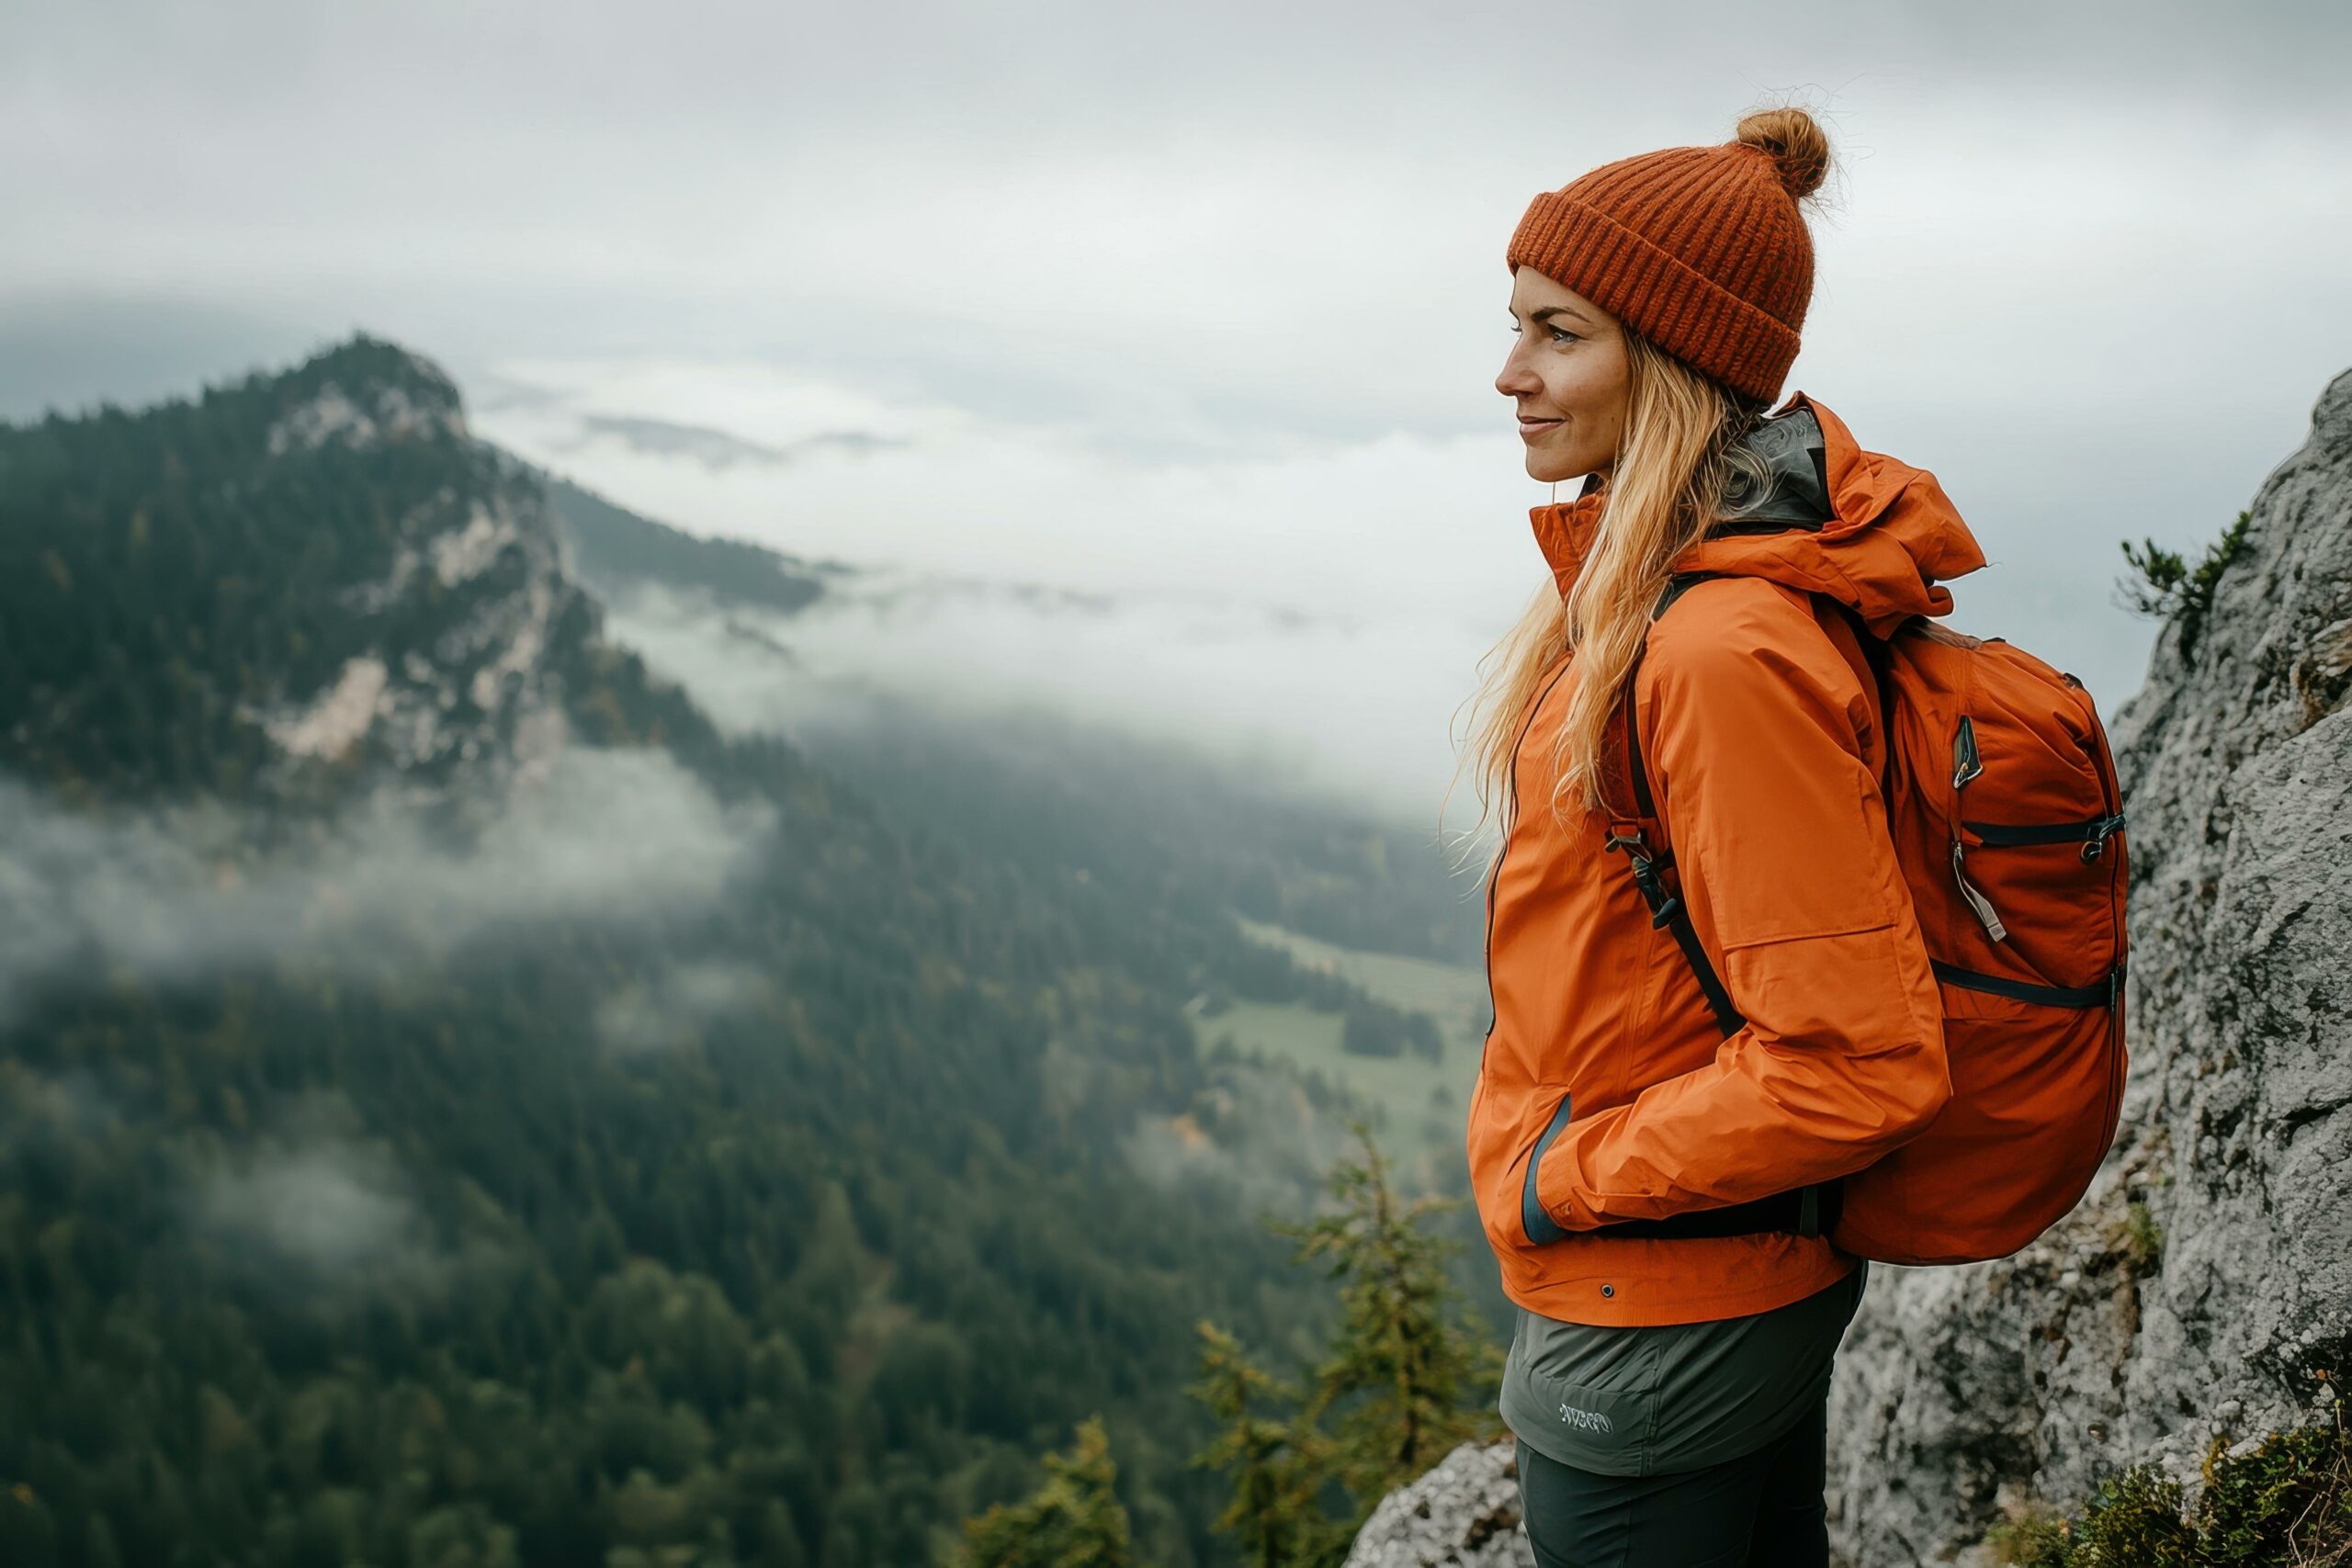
x,y
1647,864
2096,839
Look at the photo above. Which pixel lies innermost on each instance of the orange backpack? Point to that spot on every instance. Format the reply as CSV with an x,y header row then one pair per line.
x,y
2003,804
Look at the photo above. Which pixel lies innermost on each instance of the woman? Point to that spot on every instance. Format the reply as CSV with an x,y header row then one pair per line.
x,y
1668,1381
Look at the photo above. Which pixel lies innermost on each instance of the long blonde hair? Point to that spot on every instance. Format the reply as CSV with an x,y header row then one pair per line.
x,y
1661,494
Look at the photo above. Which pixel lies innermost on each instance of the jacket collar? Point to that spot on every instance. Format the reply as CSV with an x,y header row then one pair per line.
x,y
1892,538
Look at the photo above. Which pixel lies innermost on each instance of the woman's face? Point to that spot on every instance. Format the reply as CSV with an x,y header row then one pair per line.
x,y
1567,374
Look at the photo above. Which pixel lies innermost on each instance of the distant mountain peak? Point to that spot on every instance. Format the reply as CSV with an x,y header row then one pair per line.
x,y
308,579
361,392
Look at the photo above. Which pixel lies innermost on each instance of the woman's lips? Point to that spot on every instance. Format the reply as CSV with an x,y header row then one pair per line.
x,y
1530,428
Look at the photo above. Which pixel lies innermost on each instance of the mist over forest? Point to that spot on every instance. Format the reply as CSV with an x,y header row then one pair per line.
x,y
478,1091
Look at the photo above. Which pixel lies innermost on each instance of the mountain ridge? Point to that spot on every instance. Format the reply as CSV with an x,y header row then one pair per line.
x,y
596,1130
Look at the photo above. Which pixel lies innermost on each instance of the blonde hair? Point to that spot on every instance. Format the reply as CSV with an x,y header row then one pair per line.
x,y
1662,492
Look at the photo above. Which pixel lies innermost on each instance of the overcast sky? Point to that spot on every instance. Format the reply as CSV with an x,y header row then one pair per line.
x,y
1198,302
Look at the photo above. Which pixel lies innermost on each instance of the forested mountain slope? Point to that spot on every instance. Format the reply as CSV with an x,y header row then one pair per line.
x,y
457,1106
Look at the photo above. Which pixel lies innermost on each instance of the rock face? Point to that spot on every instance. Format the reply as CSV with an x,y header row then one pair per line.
x,y
2205,1279
2128,1335
1463,1514
472,596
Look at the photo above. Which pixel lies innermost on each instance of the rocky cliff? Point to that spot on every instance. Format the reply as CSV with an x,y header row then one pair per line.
x,y
2204,1280
2195,1295
1463,1514
446,663
302,584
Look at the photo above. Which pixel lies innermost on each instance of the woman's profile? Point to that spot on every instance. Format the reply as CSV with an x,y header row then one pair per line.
x,y
1637,1169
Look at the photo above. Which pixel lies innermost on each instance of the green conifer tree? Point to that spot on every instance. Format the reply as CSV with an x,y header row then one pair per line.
x,y
1402,1385
1074,1520
1278,1466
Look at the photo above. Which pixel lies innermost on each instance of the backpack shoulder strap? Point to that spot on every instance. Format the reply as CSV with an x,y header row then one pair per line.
x,y
1675,586
1805,1210
1649,862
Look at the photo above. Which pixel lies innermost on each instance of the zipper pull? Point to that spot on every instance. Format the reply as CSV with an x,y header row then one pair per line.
x,y
1966,763
1977,902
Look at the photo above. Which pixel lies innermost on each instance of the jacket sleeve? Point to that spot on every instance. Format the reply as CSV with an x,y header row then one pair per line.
x,y
1751,725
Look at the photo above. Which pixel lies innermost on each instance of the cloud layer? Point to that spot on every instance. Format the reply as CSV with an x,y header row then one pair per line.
x,y
607,835
1211,296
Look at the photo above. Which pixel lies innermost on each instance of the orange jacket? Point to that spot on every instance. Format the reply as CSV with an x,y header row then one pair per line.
x,y
1763,751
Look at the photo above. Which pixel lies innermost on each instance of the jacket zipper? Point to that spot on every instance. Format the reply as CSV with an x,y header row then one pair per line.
x,y
1495,872
1494,879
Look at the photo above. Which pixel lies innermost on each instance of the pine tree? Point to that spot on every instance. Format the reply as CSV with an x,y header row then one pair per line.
x,y
1074,1520
1393,1383
1398,1374
1278,1466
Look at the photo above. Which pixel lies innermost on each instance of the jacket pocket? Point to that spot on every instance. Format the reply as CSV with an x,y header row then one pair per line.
x,y
1534,1223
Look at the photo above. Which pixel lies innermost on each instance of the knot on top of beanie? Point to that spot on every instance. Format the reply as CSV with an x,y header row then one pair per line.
x,y
1793,139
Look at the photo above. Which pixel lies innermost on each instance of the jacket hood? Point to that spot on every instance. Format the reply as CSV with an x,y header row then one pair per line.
x,y
1892,540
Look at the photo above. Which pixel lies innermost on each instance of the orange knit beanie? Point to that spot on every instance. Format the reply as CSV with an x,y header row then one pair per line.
x,y
1701,250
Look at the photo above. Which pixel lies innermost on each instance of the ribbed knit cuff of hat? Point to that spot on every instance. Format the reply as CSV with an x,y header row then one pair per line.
x,y
1681,311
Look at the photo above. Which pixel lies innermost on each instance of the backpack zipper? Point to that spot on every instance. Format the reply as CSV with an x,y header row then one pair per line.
x,y
2111,788
1966,764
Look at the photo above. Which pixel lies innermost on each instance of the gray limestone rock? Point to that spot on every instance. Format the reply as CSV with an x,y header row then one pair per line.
x,y
451,651
2123,1336
1463,1514
2194,1296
